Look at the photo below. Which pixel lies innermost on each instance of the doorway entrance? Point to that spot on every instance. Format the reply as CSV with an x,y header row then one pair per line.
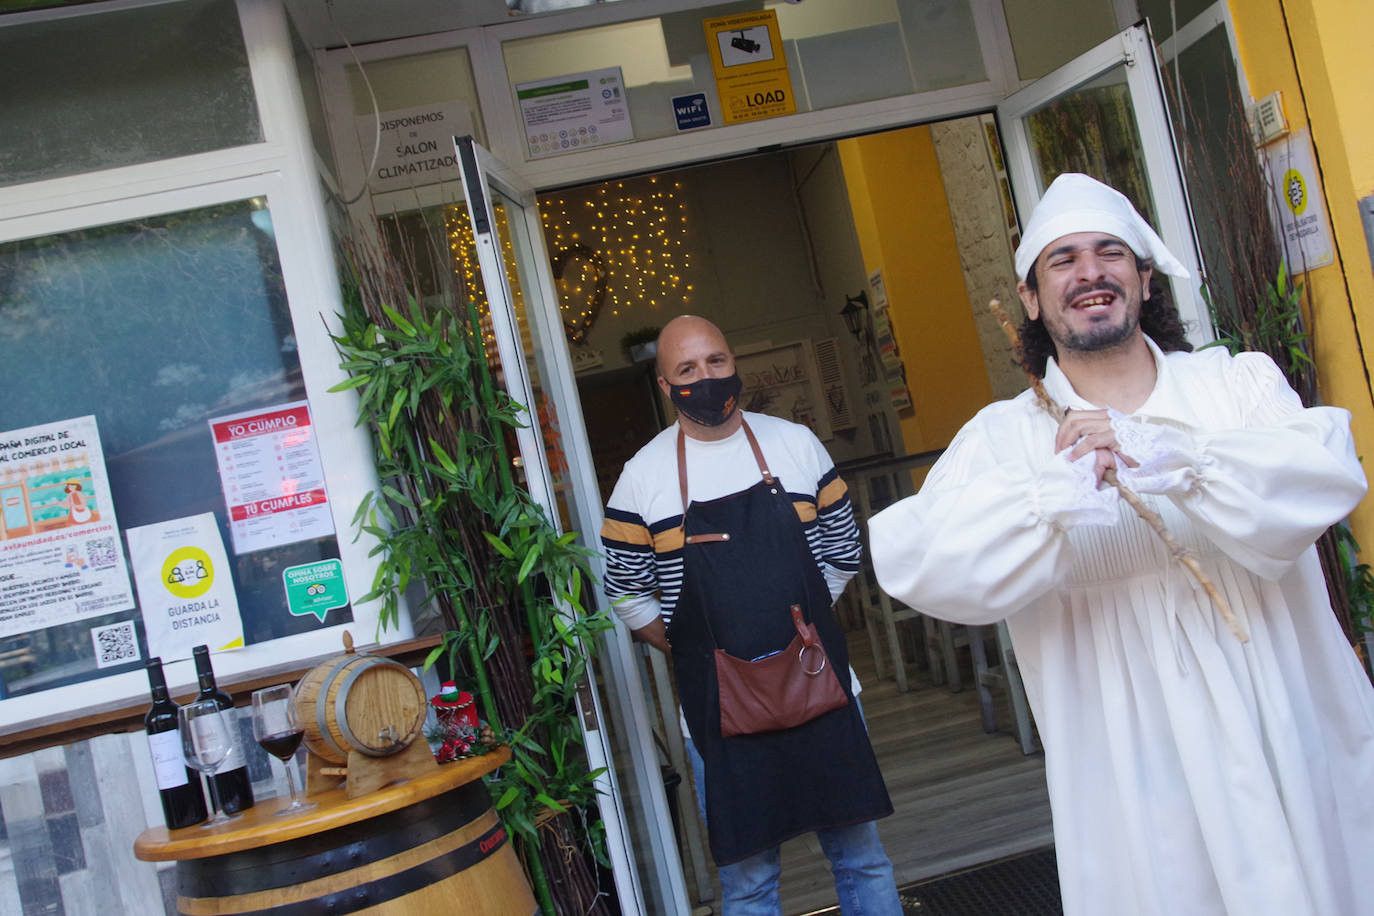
x,y
850,277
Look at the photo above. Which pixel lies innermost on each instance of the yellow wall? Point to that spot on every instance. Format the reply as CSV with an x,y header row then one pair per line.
x,y
1321,61
904,227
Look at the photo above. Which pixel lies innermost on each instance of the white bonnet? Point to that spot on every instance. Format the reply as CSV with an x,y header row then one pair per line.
x,y
1077,203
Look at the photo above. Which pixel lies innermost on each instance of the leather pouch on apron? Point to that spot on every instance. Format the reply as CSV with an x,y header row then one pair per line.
x,y
781,690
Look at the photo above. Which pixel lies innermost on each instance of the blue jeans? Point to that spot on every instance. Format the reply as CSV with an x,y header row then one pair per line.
x,y
863,874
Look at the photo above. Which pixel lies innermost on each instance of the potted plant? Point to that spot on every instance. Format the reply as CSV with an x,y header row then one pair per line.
x,y
640,344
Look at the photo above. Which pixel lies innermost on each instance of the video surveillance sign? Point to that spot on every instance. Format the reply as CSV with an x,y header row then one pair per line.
x,y
751,73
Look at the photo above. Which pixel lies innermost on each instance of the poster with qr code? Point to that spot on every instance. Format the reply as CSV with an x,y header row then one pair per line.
x,y
61,559
115,644
270,472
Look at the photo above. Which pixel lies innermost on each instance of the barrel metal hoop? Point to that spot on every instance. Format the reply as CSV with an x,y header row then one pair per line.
x,y
322,706
373,893
341,710
343,848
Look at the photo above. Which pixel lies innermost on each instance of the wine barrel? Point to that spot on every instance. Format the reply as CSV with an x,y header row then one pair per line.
x,y
445,854
361,702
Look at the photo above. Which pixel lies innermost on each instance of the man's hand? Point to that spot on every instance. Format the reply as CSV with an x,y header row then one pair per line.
x,y
1087,431
655,634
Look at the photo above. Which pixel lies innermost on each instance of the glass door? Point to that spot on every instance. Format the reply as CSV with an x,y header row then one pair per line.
x,y
1104,114
528,329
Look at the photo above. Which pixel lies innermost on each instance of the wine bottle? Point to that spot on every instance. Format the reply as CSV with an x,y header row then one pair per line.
x,y
232,784
183,802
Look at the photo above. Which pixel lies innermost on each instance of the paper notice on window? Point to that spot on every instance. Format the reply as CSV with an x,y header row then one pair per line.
x,y
185,587
61,559
571,113
416,144
271,476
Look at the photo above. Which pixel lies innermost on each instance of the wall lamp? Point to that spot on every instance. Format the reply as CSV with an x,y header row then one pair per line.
x,y
854,313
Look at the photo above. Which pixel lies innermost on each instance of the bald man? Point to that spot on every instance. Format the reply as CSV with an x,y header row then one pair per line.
x,y
717,528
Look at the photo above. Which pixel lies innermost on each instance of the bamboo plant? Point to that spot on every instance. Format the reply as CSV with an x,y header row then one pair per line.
x,y
455,526
1254,300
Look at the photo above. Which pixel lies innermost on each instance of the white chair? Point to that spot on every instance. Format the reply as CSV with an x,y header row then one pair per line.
x,y
1003,676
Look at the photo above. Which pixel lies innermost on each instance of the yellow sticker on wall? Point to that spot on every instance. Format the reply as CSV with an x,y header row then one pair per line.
x,y
750,67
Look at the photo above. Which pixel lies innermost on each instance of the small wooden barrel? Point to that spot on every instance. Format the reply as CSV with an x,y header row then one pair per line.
x,y
446,854
360,702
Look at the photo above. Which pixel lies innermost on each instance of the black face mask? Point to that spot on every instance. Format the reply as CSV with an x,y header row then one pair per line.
x,y
708,401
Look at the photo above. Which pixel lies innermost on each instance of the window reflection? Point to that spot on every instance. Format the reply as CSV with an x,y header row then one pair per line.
x,y
907,46
152,326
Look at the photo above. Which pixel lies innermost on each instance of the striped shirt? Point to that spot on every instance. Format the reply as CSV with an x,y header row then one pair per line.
x,y
643,537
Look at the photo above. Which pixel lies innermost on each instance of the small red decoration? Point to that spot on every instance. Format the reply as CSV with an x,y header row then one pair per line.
x,y
458,731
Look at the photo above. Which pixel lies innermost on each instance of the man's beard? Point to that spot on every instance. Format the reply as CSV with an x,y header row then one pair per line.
x,y
1099,335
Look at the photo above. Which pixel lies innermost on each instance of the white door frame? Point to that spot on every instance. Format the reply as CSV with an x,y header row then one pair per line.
x,y
480,173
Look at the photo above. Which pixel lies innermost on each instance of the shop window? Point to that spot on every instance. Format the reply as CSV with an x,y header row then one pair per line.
x,y
1046,34
907,46
156,328
1164,14
122,88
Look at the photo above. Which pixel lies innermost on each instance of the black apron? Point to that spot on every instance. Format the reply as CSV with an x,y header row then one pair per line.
x,y
766,788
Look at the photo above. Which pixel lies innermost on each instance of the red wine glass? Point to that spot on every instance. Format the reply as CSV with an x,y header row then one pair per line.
x,y
278,730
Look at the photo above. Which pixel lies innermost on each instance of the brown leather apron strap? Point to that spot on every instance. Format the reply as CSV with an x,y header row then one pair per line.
x,y
682,470
768,477
758,453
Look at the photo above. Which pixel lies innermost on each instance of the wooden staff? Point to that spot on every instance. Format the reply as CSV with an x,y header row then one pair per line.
x,y
1150,516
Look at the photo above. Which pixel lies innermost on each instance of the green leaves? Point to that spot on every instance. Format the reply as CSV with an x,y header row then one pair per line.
x,y
1274,324
528,563
450,516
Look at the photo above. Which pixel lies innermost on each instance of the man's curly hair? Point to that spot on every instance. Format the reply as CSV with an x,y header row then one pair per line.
x,y
1158,318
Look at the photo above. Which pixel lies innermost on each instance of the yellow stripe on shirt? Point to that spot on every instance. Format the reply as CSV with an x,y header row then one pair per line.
x,y
831,493
625,533
670,539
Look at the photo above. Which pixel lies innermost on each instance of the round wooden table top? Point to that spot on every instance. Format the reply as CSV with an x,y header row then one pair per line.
x,y
259,825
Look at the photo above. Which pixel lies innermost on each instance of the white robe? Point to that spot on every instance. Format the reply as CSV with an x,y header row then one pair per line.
x,y
1188,773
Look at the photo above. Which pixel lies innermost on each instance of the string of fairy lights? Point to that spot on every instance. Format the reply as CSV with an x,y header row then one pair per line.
x,y
462,245
637,231
616,246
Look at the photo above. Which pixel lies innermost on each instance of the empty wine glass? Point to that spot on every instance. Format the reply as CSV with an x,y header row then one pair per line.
x,y
278,729
205,742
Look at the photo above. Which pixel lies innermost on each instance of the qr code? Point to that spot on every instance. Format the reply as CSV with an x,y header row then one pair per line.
x,y
115,644
101,553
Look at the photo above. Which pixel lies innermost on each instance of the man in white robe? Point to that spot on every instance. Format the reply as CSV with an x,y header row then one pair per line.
x,y
1189,772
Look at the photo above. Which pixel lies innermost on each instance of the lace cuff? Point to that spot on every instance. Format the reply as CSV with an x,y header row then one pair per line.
x,y
1166,455
1071,496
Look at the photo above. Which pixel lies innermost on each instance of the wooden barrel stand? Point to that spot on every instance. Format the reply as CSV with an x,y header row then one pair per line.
x,y
432,845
